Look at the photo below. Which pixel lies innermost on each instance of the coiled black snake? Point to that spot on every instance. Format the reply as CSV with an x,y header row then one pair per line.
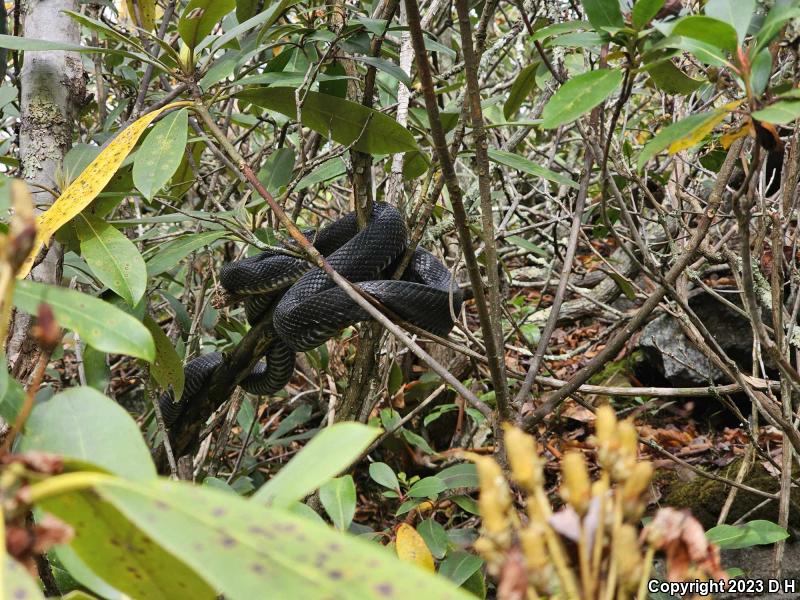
x,y
310,308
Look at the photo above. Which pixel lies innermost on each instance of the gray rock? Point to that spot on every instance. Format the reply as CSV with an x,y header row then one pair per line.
x,y
672,354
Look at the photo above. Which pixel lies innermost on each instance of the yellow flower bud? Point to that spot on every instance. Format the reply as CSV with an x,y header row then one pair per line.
x,y
605,436
600,487
541,574
605,425
638,480
628,438
576,489
628,448
533,546
523,458
494,500
633,504
628,555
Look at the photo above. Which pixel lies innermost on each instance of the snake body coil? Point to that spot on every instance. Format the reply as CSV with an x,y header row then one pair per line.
x,y
310,308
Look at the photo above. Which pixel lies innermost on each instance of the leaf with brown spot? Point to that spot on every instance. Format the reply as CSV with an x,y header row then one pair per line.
x,y
145,16
243,550
112,257
119,552
80,193
167,368
17,583
199,18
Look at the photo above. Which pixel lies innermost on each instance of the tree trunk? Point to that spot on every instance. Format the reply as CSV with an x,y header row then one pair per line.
x,y
53,86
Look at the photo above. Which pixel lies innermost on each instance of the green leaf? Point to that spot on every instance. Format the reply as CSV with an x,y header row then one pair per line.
x,y
459,566
432,45
16,582
414,164
266,18
753,533
427,487
241,548
78,570
175,251
476,585
98,374
736,13
395,381
8,94
709,31
528,245
777,16
520,163
466,503
338,498
671,79
408,505
387,67
581,39
520,89
106,30
78,158
167,368
625,286
603,14
5,377
82,424
705,53
199,18
579,95
13,398
644,11
760,71
99,324
464,475
558,29
13,42
383,474
277,171
332,450
435,537
779,113
416,440
330,169
112,257
672,133
245,9
161,153
346,122
116,550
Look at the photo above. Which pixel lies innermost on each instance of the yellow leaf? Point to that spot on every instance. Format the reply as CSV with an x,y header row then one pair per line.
x,y
147,12
727,139
697,134
80,193
412,548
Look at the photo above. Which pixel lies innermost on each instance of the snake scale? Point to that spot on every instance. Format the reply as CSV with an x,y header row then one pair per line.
x,y
307,307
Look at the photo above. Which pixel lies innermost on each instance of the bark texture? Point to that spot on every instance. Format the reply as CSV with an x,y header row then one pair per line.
x,y
52,88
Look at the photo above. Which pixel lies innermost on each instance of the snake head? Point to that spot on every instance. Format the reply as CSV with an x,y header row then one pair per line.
x,y
222,298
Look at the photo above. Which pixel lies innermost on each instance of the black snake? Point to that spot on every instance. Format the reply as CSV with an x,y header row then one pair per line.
x,y
309,308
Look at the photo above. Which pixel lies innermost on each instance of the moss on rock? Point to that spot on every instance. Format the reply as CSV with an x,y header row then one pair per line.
x,y
705,497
